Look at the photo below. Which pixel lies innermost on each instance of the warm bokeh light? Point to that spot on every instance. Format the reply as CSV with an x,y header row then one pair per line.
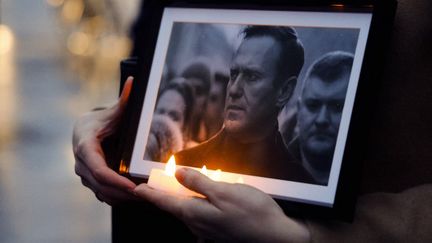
x,y
41,96
8,87
123,168
114,46
338,5
55,3
6,39
72,11
95,25
170,167
79,43
96,36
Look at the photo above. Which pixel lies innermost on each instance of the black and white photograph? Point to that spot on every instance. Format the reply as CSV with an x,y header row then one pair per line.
x,y
266,95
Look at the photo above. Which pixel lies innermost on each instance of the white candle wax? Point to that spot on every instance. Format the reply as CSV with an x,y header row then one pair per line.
x,y
162,181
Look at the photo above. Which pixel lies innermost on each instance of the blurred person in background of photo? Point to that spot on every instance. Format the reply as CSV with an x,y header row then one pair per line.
x,y
169,131
214,112
197,76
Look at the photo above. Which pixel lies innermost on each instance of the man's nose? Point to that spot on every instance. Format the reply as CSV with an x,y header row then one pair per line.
x,y
235,89
323,117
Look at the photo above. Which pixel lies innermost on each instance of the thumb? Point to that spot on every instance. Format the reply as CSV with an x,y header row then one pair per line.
x,y
111,116
197,182
116,110
124,97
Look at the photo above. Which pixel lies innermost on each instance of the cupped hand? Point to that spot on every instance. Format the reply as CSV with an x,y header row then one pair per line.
x,y
90,164
229,212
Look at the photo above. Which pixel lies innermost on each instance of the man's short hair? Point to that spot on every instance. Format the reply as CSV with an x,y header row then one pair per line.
x,y
331,66
291,58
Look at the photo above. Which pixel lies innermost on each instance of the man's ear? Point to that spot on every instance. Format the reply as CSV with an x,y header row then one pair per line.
x,y
286,90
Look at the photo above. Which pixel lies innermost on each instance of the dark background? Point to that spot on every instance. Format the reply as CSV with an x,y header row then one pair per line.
x,y
398,154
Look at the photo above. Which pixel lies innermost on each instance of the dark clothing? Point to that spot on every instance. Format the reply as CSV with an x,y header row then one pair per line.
x,y
272,159
143,222
294,149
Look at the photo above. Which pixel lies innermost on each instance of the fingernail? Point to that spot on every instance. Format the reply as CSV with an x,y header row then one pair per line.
x,y
180,173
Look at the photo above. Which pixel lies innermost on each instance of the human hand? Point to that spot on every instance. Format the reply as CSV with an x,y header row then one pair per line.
x,y
90,164
230,212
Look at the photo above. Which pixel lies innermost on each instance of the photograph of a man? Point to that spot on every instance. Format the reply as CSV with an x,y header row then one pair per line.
x,y
263,75
319,113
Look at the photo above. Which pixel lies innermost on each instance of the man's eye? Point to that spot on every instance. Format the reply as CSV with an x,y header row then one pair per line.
x,y
312,105
160,111
233,74
251,77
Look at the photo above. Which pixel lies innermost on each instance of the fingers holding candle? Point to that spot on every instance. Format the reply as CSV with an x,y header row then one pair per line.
x,y
165,201
186,208
233,209
164,180
197,181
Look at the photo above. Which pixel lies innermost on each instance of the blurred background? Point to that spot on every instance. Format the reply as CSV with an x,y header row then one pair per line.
x,y
58,59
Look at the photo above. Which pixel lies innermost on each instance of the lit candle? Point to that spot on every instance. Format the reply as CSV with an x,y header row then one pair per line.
x,y
164,180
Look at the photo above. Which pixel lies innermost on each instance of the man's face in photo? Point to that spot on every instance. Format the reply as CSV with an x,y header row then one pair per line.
x,y
319,115
250,105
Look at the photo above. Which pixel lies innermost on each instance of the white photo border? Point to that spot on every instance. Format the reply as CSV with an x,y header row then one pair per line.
x,y
281,189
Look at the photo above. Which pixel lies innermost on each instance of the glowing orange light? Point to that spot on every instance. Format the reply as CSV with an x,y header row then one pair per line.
x,y
164,180
338,5
170,167
6,39
123,168
55,3
79,43
72,11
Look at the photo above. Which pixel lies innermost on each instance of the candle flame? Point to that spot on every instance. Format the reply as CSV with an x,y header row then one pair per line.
x,y
217,175
170,167
204,170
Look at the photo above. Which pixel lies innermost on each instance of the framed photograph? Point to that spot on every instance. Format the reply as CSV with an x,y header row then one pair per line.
x,y
268,95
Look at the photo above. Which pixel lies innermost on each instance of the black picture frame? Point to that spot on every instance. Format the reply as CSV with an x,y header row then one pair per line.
x,y
382,14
